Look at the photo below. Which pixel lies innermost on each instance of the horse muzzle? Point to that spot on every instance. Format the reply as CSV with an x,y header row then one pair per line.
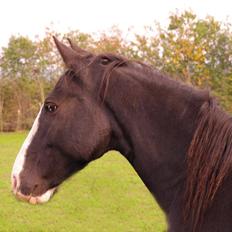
x,y
30,197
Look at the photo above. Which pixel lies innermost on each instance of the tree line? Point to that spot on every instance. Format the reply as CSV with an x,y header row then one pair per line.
x,y
196,51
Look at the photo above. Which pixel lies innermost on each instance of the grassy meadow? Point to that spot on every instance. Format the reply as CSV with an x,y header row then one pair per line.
x,y
107,196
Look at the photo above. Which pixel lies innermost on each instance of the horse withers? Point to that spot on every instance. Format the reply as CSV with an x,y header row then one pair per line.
x,y
176,137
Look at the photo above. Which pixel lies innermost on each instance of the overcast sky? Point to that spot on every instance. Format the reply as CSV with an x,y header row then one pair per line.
x,y
28,17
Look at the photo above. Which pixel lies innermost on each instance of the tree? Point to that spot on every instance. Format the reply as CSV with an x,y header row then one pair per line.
x,y
197,51
25,76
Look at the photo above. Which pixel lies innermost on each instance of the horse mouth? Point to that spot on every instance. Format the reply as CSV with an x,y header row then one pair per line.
x,y
45,197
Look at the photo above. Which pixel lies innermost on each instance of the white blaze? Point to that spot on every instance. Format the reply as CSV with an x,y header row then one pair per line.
x,y
20,159
19,163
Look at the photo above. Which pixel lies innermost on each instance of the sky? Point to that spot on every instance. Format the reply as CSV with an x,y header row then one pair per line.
x,y
30,17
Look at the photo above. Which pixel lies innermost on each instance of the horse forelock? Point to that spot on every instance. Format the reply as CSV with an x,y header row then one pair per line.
x,y
209,162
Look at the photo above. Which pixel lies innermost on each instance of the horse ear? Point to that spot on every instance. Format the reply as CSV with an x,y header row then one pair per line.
x,y
79,50
69,56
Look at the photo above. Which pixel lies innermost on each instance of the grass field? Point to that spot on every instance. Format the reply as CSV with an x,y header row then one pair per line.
x,y
107,196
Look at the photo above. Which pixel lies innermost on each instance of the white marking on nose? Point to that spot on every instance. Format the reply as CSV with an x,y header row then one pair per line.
x,y
44,197
37,199
20,159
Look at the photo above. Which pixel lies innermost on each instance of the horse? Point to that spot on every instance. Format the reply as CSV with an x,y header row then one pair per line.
x,y
176,137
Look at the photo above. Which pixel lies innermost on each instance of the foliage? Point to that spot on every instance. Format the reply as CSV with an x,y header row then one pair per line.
x,y
199,52
24,81
196,51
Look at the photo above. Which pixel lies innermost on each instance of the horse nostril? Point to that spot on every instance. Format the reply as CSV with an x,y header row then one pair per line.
x,y
35,187
14,182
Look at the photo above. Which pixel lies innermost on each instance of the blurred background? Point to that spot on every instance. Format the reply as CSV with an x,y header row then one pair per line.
x,y
190,40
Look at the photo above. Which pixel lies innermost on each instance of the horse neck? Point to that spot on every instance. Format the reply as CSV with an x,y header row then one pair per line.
x,y
153,124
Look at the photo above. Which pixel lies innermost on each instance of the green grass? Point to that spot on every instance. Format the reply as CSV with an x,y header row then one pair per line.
x,y
107,196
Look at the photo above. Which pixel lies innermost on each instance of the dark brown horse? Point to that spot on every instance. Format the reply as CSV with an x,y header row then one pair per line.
x,y
176,138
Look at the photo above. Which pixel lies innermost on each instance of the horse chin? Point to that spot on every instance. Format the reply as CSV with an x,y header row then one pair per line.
x,y
45,197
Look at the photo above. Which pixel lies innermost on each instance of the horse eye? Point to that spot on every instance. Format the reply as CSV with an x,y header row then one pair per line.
x,y
105,60
50,107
